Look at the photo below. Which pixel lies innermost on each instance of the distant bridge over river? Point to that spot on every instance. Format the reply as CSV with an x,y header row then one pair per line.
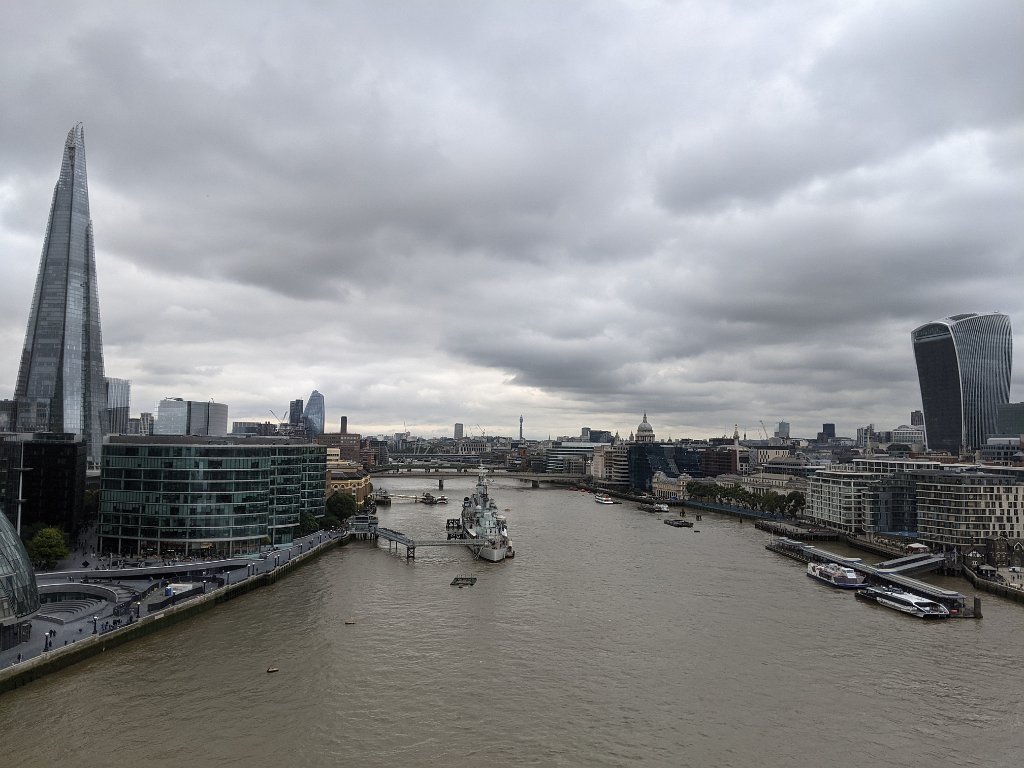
x,y
452,472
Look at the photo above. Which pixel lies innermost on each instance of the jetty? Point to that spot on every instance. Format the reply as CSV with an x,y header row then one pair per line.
x,y
891,573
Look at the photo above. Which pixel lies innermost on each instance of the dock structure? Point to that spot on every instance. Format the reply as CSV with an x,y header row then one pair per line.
x,y
890,573
410,544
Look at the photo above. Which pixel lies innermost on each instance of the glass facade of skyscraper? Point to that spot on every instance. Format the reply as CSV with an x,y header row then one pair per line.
x,y
963,366
183,496
60,385
191,417
313,416
18,595
118,405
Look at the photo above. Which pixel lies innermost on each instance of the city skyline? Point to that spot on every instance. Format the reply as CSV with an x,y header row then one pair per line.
x,y
718,216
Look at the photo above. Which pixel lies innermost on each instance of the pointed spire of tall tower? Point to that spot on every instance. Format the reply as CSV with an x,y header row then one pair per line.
x,y
60,381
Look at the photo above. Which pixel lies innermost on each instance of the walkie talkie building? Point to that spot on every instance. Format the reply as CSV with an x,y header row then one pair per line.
x,y
963,366
60,384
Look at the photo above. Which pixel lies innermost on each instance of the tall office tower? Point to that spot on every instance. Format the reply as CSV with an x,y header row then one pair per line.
x,y
175,416
783,430
145,423
343,425
829,431
520,427
313,415
916,419
963,366
458,430
60,381
119,395
295,412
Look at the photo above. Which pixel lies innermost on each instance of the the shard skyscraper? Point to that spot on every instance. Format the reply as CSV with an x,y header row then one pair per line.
x,y
60,382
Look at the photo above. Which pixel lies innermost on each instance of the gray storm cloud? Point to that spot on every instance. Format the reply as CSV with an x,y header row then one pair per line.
x,y
717,213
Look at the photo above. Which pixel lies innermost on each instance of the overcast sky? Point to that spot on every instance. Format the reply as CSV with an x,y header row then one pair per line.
x,y
715,212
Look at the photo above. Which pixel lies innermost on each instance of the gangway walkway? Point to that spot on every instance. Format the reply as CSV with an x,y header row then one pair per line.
x,y
410,544
918,562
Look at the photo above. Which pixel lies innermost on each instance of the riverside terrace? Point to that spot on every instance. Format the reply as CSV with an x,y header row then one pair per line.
x,y
107,600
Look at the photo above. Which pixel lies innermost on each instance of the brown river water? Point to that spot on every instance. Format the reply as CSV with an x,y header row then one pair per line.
x,y
610,640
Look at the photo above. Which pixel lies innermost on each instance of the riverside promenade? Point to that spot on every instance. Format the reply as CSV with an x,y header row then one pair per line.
x,y
56,646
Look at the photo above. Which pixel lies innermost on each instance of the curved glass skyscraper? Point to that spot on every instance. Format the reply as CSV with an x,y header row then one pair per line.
x,y
963,365
60,382
313,416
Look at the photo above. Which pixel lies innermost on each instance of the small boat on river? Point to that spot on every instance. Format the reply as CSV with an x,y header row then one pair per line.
x,y
603,498
836,575
654,508
904,602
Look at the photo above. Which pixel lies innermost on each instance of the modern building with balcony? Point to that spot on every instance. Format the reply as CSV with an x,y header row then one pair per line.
x,y
960,510
179,496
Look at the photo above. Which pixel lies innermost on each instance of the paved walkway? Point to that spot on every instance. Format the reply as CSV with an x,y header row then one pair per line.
x,y
231,571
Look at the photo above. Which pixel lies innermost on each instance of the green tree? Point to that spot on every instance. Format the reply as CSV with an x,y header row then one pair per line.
x,y
341,505
47,547
308,524
329,522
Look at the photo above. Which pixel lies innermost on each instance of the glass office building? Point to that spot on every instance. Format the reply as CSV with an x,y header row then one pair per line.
x,y
60,385
963,366
176,416
119,400
18,596
313,416
186,496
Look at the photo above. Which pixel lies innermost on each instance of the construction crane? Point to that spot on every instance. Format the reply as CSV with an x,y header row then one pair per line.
x,y
765,430
280,421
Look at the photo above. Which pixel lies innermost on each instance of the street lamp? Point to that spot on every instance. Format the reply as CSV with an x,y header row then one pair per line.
x,y
94,620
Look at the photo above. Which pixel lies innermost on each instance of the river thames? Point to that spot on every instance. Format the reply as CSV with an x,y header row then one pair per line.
x,y
610,640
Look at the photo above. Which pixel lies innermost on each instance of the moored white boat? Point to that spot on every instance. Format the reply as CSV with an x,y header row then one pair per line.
x,y
654,507
836,575
603,498
904,602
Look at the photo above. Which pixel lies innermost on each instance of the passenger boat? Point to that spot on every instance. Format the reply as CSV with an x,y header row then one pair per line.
x,y
654,507
678,522
603,498
836,575
904,602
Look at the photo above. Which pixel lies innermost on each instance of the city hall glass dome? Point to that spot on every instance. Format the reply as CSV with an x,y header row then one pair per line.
x,y
18,595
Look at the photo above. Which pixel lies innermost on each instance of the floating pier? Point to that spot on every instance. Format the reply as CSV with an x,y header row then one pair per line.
x,y
956,603
463,581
